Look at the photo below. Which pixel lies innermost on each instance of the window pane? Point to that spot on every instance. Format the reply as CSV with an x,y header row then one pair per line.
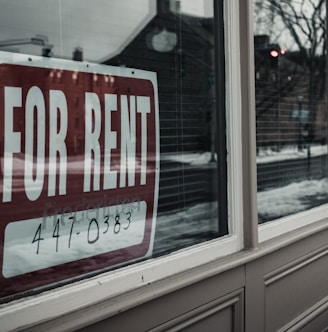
x,y
291,109
84,185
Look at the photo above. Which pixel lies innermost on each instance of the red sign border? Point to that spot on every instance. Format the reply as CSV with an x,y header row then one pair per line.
x,y
19,284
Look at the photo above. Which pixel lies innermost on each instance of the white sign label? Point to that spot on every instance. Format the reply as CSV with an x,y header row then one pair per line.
x,y
39,243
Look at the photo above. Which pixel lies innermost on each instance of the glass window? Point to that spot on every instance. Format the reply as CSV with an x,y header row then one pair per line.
x,y
291,106
110,152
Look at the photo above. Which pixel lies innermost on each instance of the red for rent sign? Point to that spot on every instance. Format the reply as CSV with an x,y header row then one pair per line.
x,y
79,169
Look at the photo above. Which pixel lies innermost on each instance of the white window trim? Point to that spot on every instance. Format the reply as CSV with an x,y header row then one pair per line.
x,y
309,221
32,310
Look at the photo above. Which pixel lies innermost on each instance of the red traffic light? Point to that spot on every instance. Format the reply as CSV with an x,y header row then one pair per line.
x,y
274,53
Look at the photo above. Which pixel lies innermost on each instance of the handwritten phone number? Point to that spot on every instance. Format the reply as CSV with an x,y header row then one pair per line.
x,y
96,228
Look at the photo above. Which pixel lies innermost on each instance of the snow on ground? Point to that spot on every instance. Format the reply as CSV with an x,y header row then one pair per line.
x,y
267,155
293,198
282,201
194,159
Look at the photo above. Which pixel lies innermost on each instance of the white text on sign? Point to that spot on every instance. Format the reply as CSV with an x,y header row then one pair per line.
x,y
35,108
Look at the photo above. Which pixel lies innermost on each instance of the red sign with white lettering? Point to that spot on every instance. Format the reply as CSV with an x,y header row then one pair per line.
x,y
79,150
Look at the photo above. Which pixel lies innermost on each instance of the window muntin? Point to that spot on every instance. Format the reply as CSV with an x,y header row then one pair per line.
x,y
290,89
188,197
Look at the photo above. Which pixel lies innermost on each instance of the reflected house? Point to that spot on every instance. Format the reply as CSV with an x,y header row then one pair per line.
x,y
183,65
176,47
286,90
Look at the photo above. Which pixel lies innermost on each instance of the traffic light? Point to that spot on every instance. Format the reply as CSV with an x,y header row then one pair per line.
x,y
275,53
274,57
270,56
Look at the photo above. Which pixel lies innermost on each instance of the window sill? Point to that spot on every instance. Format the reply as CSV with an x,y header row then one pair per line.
x,y
84,295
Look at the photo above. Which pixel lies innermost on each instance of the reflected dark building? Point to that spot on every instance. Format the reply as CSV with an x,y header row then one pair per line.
x,y
186,94
290,96
290,114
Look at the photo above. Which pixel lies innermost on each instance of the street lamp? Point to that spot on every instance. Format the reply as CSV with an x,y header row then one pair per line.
x,y
299,145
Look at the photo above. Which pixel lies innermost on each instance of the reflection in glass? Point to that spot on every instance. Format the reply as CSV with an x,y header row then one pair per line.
x,y
291,117
69,25
179,48
174,39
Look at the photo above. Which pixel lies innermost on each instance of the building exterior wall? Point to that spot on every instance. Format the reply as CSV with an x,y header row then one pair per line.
x,y
276,287
272,283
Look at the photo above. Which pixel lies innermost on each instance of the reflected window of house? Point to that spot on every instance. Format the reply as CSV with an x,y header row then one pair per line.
x,y
173,39
291,106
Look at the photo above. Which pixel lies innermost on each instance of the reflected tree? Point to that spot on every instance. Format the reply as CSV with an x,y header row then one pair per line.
x,y
305,20
300,26
291,102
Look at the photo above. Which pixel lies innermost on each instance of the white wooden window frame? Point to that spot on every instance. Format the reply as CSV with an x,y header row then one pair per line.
x,y
308,221
60,301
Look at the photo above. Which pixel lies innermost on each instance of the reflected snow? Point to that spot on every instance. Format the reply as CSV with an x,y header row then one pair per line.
x,y
269,154
295,197
297,191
